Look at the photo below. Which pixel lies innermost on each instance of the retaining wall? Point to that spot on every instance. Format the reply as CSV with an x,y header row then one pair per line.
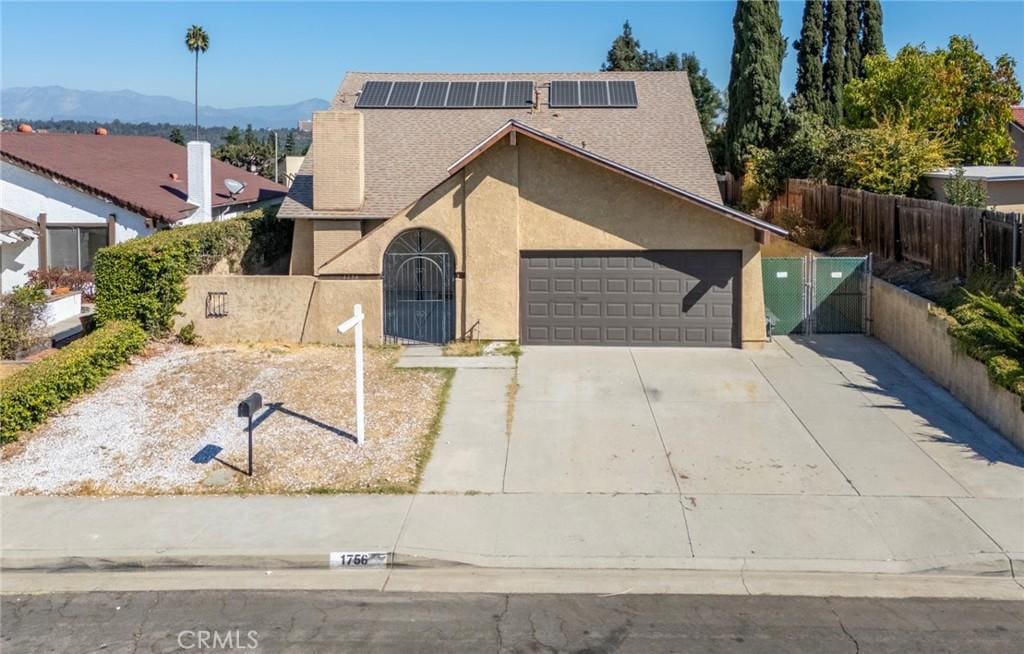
x,y
904,322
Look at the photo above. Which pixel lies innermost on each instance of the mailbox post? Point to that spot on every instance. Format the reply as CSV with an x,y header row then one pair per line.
x,y
247,408
357,321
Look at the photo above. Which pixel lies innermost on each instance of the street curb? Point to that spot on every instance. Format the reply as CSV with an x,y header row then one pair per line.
x,y
978,565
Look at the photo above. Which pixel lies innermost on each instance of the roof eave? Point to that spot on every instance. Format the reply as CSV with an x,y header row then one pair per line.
x,y
85,188
521,128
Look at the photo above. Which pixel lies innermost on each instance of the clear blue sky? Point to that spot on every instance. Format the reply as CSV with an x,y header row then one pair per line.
x,y
278,53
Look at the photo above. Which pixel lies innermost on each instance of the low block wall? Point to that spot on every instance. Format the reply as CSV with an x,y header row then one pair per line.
x,y
904,322
285,309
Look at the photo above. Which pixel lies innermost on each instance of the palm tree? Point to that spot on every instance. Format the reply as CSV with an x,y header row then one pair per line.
x,y
197,40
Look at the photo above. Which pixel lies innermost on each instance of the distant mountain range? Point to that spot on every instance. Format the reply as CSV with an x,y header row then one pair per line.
x,y
59,103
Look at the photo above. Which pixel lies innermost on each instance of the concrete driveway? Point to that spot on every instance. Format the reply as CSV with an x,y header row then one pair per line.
x,y
823,448
830,415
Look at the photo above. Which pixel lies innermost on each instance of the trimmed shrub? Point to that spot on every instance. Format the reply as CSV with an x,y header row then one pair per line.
x,y
143,280
20,313
30,395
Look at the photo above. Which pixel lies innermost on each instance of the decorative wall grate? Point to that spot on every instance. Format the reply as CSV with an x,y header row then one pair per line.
x,y
216,304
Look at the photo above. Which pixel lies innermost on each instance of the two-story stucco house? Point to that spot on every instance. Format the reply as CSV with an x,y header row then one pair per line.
x,y
550,208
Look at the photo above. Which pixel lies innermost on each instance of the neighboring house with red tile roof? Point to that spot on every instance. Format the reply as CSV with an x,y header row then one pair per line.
x,y
1017,133
84,191
562,208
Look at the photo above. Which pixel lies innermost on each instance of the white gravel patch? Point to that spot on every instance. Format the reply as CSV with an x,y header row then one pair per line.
x,y
138,433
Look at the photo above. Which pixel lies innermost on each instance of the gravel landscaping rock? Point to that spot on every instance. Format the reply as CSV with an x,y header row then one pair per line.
x,y
153,427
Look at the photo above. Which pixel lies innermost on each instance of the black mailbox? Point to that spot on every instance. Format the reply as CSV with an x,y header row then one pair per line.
x,y
248,407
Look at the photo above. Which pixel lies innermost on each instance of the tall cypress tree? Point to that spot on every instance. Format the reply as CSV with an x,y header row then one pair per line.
x,y
625,52
835,60
809,94
853,57
755,106
871,42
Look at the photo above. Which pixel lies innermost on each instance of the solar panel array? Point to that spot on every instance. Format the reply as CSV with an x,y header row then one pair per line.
x,y
442,95
593,93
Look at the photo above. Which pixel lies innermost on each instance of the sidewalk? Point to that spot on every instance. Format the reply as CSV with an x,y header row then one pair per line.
x,y
586,531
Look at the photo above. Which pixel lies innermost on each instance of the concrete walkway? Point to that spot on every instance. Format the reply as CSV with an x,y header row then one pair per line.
x,y
825,455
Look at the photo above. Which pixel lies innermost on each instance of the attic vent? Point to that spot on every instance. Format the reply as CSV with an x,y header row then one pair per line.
x,y
446,95
593,93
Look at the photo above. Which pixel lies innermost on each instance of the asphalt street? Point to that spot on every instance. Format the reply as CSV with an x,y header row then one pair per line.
x,y
343,621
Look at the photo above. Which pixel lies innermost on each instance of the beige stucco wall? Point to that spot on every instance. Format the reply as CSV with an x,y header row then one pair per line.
x,y
904,322
533,197
1005,195
333,236
301,262
286,309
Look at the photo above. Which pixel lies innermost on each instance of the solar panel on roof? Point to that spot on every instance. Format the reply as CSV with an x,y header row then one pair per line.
x,y
375,94
519,94
564,94
490,94
594,94
432,94
403,94
461,94
622,93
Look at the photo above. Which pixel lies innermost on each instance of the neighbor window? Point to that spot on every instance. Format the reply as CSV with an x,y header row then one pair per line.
x,y
74,247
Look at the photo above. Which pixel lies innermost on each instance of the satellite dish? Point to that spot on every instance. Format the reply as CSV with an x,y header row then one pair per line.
x,y
234,186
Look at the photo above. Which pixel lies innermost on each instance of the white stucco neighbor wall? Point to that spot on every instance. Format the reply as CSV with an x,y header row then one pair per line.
x,y
29,194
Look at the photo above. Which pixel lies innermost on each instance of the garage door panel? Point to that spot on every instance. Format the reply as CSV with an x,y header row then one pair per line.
x,y
630,298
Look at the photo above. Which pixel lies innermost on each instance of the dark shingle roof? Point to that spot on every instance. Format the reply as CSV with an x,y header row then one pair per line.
x,y
133,172
408,151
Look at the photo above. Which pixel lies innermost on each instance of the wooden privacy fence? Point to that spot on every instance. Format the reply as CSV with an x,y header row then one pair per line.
x,y
950,240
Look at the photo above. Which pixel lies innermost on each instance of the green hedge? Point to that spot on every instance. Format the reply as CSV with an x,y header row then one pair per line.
x,y
42,387
143,280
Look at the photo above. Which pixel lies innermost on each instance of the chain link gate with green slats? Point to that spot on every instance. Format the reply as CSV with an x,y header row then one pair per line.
x,y
817,295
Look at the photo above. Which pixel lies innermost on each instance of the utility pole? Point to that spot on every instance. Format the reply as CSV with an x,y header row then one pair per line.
x,y
275,158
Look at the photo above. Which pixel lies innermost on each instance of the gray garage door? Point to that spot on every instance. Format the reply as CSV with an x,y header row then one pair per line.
x,y
655,297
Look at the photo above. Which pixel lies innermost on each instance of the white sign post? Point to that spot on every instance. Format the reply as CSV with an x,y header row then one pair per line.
x,y
357,321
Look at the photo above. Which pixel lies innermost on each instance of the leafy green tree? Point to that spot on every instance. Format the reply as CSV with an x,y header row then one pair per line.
x,y
871,40
289,143
955,94
755,105
853,56
625,52
986,92
233,137
892,157
810,85
176,136
964,191
197,40
835,60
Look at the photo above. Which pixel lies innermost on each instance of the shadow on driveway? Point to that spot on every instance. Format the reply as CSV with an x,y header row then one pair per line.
x,y
893,383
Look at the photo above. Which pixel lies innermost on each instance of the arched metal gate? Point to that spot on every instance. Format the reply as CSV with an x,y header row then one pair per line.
x,y
419,289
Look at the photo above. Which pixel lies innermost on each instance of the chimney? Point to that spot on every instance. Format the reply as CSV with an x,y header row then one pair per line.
x,y
337,160
200,182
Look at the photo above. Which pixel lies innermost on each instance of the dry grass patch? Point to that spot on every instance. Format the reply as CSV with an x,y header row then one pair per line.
x,y
464,348
141,431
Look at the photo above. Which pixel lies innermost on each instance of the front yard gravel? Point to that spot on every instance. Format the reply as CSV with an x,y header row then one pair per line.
x,y
140,432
